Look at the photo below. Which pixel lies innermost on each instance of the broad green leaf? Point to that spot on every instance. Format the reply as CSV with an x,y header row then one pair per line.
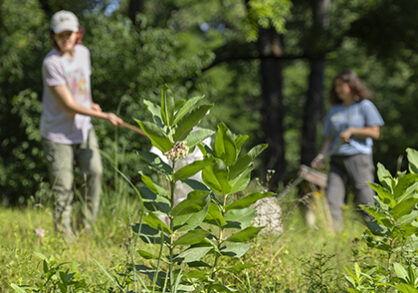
x,y
148,234
155,111
406,288
195,201
156,135
156,223
413,160
239,218
257,150
245,160
225,145
400,271
248,200
152,274
405,185
197,136
199,275
374,213
198,264
377,229
241,182
179,104
240,165
404,208
383,194
215,176
189,170
154,202
167,107
147,255
155,188
357,270
244,235
239,140
354,280
408,219
231,152
191,119
156,162
235,249
214,216
219,147
193,254
191,237
191,212
196,185
186,108
384,176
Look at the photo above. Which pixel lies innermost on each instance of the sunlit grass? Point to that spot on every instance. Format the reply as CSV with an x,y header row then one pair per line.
x,y
280,261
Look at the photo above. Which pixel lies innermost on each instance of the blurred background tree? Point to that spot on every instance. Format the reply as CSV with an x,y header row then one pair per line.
x,y
266,64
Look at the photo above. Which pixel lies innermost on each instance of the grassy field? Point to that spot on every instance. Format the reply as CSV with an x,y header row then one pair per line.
x,y
301,259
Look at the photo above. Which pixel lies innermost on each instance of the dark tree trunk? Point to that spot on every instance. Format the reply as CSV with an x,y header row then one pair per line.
x,y
270,43
135,7
314,104
46,7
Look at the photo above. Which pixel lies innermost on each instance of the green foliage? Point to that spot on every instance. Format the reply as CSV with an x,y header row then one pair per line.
x,y
203,228
318,272
393,231
170,44
55,278
262,13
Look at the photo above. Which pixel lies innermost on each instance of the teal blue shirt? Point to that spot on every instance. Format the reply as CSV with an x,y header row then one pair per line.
x,y
358,114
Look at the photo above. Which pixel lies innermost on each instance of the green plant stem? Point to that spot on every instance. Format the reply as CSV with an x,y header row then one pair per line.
x,y
159,261
171,266
215,263
135,245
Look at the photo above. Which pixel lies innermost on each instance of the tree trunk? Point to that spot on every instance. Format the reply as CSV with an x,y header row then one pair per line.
x,y
270,43
314,104
46,7
135,7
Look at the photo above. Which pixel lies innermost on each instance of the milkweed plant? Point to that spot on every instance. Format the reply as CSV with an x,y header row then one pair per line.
x,y
183,244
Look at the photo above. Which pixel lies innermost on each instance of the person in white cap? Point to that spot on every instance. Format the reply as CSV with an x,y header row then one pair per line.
x,y
66,129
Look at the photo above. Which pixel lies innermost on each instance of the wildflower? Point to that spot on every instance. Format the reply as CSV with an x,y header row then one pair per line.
x,y
179,150
40,232
269,175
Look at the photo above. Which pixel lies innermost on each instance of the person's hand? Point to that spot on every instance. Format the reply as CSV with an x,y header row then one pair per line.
x,y
96,107
113,119
318,162
345,135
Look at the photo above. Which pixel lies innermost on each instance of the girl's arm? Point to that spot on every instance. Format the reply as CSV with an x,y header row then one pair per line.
x,y
65,96
368,131
318,161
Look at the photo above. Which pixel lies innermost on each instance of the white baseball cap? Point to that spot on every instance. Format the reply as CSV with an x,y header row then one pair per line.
x,y
64,21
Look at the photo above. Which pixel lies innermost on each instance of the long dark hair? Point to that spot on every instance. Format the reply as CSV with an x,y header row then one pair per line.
x,y
357,87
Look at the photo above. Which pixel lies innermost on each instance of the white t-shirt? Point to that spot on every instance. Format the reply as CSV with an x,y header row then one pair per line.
x,y
57,123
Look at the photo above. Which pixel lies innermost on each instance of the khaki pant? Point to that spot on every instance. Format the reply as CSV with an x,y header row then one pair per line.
x,y
61,158
356,170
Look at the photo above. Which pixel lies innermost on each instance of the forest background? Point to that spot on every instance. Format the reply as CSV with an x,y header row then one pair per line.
x,y
267,66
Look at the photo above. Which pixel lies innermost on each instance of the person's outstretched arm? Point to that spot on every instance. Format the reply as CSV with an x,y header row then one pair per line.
x,y
318,161
65,96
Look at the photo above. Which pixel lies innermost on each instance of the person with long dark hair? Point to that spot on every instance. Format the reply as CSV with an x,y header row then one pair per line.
x,y
350,127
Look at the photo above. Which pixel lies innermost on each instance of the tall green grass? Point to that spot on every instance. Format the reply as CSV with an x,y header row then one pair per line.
x,y
289,261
